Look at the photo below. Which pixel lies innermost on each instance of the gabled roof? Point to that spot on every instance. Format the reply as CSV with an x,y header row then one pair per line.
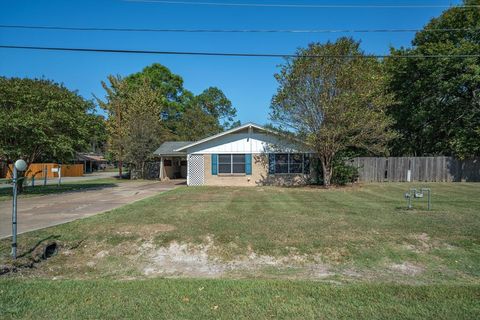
x,y
168,148
221,134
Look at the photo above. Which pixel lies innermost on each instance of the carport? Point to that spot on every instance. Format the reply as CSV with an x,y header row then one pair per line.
x,y
173,164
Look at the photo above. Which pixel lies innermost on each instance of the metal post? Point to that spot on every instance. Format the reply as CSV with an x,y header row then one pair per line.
x,y
410,198
14,214
59,174
429,206
45,173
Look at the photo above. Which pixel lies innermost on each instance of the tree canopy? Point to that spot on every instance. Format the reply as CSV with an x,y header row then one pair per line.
x,y
146,108
41,120
135,125
211,109
333,103
437,109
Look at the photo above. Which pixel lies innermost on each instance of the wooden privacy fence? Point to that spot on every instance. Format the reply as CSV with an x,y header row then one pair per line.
x,y
38,169
428,169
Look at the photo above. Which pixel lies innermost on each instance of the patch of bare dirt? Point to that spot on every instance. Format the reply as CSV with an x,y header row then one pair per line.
x,y
423,243
407,268
187,260
143,230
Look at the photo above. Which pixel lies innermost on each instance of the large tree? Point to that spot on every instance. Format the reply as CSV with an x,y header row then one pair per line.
x,y
211,111
135,124
42,120
333,101
438,99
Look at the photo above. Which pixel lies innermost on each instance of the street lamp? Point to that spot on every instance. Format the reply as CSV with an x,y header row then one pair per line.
x,y
20,165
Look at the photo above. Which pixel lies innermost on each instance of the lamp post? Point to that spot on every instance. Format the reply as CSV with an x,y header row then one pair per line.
x,y
20,165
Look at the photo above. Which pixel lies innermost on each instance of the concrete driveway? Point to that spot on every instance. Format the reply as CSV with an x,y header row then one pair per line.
x,y
49,210
85,177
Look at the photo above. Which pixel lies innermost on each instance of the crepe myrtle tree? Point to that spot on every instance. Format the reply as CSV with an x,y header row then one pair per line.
x,y
333,101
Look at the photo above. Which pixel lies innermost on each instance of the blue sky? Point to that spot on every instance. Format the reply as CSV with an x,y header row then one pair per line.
x,y
248,82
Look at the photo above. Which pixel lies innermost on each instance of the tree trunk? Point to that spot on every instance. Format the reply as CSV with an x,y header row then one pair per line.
x,y
327,171
120,170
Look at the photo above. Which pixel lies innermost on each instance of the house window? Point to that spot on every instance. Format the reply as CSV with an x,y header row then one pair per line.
x,y
288,163
167,163
231,163
281,163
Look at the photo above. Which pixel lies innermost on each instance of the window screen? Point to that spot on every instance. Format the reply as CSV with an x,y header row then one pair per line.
x,y
224,163
238,161
231,163
296,163
288,163
281,163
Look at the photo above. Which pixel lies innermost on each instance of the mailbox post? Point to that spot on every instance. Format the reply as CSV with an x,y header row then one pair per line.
x,y
20,165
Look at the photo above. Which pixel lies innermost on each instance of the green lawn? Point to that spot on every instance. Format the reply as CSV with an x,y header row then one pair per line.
x,y
232,299
347,252
39,189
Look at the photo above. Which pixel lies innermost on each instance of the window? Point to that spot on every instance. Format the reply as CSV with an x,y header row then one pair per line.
x,y
238,163
281,163
224,163
296,163
231,163
289,163
167,163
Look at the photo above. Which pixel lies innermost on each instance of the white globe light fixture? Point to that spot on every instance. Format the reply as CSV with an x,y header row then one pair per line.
x,y
21,165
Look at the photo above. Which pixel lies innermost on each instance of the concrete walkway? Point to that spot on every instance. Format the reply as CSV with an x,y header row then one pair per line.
x,y
49,210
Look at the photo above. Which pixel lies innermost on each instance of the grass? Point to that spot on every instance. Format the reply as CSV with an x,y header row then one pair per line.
x,y
232,299
382,260
39,189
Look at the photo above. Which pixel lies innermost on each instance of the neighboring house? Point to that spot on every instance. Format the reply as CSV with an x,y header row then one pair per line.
x,y
91,161
248,155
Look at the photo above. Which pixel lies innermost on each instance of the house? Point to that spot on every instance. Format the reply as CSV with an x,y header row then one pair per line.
x,y
91,161
248,155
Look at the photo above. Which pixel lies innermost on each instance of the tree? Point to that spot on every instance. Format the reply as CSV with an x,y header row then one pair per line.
x,y
98,135
211,112
115,107
437,109
333,102
188,116
135,123
42,120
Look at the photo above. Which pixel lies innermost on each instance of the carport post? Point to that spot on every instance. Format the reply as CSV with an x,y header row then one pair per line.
x,y
161,168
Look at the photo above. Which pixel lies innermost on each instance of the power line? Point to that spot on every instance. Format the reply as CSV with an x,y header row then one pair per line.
x,y
231,54
234,30
324,6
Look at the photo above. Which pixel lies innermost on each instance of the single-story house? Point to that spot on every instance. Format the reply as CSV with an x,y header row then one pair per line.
x,y
248,155
91,161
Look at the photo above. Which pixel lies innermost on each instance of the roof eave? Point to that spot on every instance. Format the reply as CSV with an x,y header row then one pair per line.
x,y
221,134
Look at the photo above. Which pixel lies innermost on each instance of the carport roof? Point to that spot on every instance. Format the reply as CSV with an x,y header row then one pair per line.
x,y
168,148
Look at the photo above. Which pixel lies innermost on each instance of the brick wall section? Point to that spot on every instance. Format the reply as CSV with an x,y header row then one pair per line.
x,y
258,177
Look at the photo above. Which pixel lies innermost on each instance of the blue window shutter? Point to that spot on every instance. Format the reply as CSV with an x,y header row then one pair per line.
x,y
271,163
248,164
214,164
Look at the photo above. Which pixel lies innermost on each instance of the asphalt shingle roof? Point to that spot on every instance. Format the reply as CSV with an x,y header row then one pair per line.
x,y
168,147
